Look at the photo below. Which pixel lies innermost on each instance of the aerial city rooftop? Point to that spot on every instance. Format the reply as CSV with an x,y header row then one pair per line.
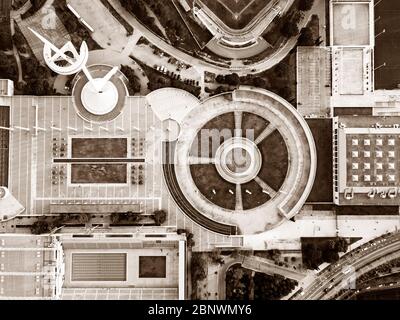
x,y
162,150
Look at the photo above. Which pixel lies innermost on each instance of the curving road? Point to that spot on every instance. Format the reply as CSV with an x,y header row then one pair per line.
x,y
331,278
242,69
182,202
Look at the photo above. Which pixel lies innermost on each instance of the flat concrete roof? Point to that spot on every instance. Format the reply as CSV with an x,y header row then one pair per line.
x,y
350,23
368,160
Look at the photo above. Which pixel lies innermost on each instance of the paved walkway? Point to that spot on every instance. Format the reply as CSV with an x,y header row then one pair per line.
x,y
108,31
267,266
206,66
241,53
299,178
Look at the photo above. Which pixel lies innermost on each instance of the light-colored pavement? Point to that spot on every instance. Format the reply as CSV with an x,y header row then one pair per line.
x,y
300,149
240,68
107,29
267,266
56,33
238,53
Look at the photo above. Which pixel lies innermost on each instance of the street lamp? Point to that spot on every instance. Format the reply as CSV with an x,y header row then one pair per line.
x,y
381,66
383,31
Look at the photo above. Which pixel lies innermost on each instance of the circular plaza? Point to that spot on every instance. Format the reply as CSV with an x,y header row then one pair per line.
x,y
98,98
245,158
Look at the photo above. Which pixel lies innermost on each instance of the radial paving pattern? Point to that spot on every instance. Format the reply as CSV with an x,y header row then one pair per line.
x,y
238,160
245,158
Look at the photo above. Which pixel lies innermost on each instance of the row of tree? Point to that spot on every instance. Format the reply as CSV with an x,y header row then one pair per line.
x,y
316,251
242,285
159,217
134,81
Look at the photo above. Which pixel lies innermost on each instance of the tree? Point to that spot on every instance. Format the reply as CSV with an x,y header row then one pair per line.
x,y
37,3
5,39
189,240
232,79
341,245
40,227
126,217
159,216
38,87
3,59
289,29
305,5
260,82
220,78
331,256
18,39
215,257
306,37
312,256
71,26
198,267
84,217
134,81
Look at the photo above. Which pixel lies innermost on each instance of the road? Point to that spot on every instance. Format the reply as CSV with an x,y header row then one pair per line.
x,y
241,69
330,278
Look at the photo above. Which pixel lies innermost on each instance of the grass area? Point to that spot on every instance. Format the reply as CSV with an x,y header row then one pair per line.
x,y
253,125
213,134
208,179
322,190
99,148
275,160
101,173
152,267
383,294
281,79
256,198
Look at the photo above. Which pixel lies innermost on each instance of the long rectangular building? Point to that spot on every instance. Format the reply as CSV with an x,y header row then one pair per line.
x,y
31,267
93,267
